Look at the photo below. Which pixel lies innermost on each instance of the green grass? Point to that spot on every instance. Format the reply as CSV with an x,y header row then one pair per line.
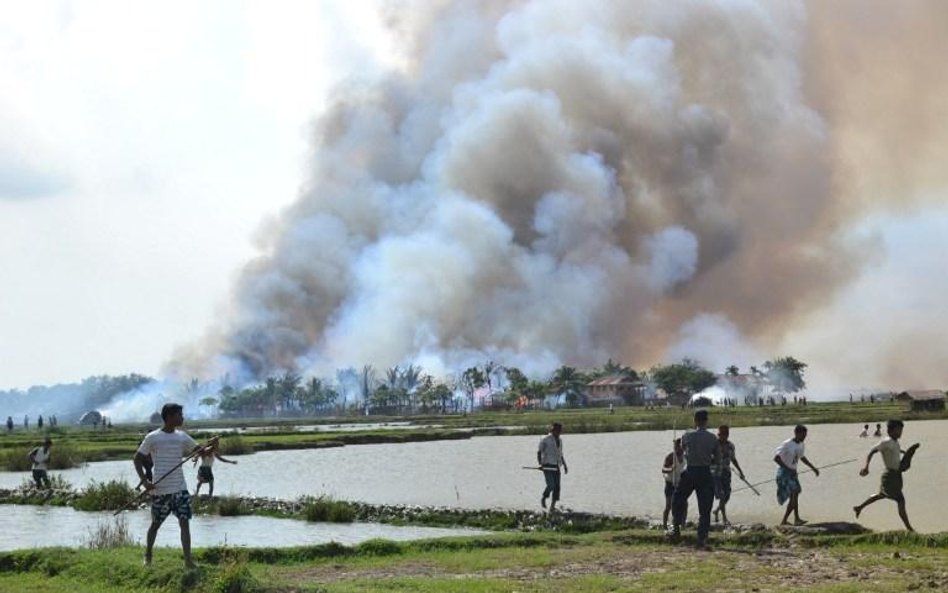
x,y
631,561
105,496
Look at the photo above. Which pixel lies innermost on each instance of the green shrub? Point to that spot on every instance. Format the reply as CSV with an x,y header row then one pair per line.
x,y
64,456
231,507
234,445
110,534
14,459
235,578
379,547
325,509
108,496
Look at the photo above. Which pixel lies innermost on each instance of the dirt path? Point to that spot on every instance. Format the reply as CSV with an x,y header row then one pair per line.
x,y
735,569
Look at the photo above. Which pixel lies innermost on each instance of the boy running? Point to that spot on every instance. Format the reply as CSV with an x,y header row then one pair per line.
x,y
891,483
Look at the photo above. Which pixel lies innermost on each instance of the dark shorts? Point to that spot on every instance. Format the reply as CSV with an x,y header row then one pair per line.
x,y
669,489
891,485
177,503
39,475
205,474
722,486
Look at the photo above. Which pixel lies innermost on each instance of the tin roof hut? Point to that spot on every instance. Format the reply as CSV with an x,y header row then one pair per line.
x,y
927,400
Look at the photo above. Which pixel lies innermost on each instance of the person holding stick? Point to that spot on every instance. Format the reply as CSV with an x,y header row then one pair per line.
x,y
722,472
787,456
550,457
205,473
671,470
891,482
166,446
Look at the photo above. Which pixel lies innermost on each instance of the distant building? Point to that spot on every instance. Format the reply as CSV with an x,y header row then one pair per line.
x,y
615,389
926,400
745,388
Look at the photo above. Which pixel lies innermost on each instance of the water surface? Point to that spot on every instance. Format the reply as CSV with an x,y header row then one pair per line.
x,y
27,526
617,473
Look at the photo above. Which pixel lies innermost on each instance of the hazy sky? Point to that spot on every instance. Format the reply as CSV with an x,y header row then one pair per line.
x,y
141,146
144,146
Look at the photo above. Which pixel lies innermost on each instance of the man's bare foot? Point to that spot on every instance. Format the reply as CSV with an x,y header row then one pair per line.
x,y
857,510
190,565
785,522
800,522
146,561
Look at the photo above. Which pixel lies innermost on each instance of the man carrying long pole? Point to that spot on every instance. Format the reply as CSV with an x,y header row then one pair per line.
x,y
167,446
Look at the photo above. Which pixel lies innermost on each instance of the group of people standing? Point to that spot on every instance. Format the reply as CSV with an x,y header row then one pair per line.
x,y
701,464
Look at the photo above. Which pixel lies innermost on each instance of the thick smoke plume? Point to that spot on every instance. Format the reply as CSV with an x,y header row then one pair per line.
x,y
559,182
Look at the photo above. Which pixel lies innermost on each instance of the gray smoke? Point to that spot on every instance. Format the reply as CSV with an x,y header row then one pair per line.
x,y
557,182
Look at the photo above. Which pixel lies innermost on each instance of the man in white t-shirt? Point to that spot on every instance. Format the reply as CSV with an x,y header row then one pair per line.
x,y
787,456
40,458
167,446
891,482
550,457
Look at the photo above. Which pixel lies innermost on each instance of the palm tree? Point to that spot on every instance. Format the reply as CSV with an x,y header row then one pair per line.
x,y
567,380
471,380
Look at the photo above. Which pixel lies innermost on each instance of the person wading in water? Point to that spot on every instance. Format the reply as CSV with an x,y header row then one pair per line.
x,y
550,457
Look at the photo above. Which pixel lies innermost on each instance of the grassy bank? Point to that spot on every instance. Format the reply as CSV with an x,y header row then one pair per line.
x,y
596,563
73,445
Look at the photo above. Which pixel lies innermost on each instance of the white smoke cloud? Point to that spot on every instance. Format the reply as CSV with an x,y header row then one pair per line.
x,y
553,182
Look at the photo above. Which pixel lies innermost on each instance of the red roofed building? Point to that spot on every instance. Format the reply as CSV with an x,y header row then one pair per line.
x,y
615,389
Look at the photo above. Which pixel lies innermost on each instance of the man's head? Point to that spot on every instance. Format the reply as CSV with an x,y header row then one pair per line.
x,y
556,429
799,433
677,445
47,442
701,418
894,428
172,414
724,431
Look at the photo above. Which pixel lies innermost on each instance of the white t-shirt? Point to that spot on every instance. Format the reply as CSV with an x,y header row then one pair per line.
x,y
40,458
550,453
890,451
166,450
790,453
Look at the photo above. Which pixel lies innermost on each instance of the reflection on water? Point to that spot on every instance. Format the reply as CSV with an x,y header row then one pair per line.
x,y
31,527
616,473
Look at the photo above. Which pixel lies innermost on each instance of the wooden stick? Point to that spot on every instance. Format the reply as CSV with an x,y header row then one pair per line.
x,y
208,444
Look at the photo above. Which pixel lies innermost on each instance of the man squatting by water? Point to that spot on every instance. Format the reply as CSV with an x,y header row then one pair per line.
x,y
722,472
550,458
891,482
671,470
167,446
702,451
787,456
